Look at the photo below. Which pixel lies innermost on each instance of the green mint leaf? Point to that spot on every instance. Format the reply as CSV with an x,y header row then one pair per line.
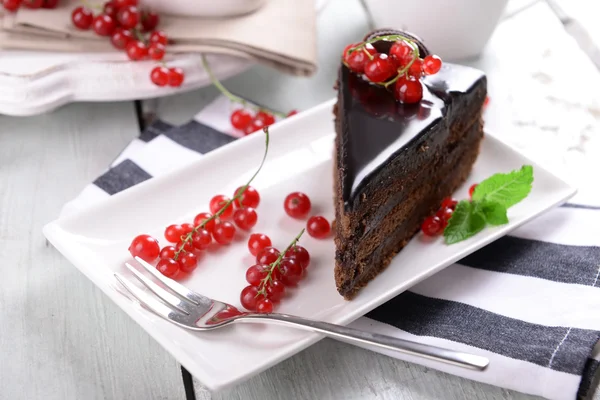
x,y
506,189
466,221
495,213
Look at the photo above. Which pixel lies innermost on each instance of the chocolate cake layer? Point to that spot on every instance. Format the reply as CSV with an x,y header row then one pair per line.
x,y
394,164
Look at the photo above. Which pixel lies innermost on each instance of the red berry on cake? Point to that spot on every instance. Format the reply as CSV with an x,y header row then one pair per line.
x,y
402,51
380,68
432,64
356,59
408,90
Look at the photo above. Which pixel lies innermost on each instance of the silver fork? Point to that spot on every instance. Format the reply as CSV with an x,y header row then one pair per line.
x,y
191,310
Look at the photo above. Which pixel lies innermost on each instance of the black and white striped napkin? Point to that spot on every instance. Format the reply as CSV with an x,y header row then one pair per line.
x,y
530,301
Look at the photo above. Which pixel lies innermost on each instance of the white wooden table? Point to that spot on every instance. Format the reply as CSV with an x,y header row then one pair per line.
x,y
61,338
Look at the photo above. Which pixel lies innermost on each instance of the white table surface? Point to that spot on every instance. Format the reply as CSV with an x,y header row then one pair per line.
x,y
61,338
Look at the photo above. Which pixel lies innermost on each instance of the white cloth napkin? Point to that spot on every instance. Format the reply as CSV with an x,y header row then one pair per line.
x,y
281,34
530,302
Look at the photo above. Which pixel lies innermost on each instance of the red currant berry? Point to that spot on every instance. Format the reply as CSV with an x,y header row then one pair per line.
x,y
257,242
240,119
255,125
111,9
265,117
136,50
431,226
125,3
200,218
264,306
144,247
318,227
297,205
402,51
224,232
356,59
202,239
299,254
187,228
444,215
159,76
156,51
167,252
168,267
150,20
104,25
173,233
245,218
81,17
218,202
128,17
486,101
416,68
432,64
250,197
256,273
50,3
267,255
188,262
408,90
472,189
275,290
249,297
292,113
380,68
176,77
449,202
33,3
11,5
187,246
159,37
121,38
291,272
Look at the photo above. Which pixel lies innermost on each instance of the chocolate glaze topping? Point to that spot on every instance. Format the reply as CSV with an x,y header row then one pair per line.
x,y
390,125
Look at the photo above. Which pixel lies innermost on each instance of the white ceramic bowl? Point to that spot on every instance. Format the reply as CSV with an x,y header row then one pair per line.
x,y
453,30
204,8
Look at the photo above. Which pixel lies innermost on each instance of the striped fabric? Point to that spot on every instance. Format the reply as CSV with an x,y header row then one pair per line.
x,y
530,301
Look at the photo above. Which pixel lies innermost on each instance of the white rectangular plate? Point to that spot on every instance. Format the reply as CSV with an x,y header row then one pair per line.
x,y
96,241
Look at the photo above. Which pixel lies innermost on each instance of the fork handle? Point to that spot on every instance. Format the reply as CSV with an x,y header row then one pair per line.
x,y
355,336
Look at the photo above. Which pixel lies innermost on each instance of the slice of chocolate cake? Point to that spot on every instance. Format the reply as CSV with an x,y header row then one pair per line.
x,y
395,162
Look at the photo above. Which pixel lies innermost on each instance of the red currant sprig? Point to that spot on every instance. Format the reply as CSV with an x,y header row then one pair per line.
x,y
13,5
402,67
132,29
268,281
242,119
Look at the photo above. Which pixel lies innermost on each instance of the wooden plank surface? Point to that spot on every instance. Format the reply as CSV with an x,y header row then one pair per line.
x,y
61,337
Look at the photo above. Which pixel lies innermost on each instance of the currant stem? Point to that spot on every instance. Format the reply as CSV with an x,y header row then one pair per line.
x,y
276,263
188,238
231,96
139,35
